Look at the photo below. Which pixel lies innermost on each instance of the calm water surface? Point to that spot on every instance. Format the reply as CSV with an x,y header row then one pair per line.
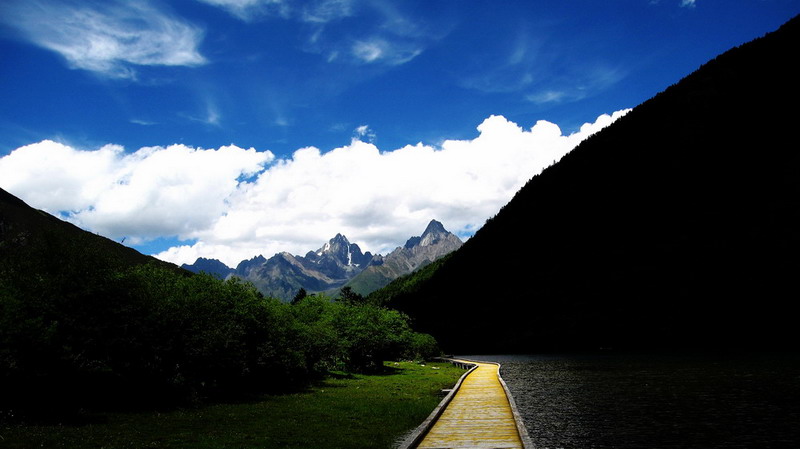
x,y
656,401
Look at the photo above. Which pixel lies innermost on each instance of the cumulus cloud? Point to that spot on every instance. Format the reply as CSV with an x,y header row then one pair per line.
x,y
107,37
155,191
236,203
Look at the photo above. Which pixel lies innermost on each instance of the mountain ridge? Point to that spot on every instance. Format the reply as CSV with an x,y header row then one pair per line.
x,y
434,243
337,263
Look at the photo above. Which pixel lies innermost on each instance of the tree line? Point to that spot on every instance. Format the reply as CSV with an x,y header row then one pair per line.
x,y
151,333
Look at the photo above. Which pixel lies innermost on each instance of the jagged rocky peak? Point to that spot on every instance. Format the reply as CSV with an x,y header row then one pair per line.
x,y
337,262
247,265
435,227
418,251
332,246
433,233
342,251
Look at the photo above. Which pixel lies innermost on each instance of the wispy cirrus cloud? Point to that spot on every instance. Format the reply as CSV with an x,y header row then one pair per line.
x,y
385,35
142,122
316,11
209,114
521,64
109,38
576,86
396,37
542,72
379,50
682,4
325,11
252,9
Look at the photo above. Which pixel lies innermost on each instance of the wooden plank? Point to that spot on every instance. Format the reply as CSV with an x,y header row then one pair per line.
x,y
479,415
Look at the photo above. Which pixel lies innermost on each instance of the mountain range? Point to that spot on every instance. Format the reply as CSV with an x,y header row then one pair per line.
x,y
336,264
678,226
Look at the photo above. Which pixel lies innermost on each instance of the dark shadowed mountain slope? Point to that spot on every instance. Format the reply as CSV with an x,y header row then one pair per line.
x,y
677,226
73,326
35,243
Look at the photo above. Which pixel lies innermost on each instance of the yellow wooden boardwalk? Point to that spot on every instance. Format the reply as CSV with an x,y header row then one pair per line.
x,y
480,415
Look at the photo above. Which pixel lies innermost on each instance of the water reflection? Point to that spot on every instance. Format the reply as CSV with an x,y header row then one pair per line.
x,y
656,401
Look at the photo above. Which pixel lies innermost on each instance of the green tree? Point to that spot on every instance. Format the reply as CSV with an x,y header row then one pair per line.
x,y
301,294
348,296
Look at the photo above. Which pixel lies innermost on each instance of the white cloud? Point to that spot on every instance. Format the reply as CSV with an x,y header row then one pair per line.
x,y
250,9
364,133
547,96
138,121
325,11
581,84
107,37
543,71
369,51
236,207
377,49
385,35
155,191
210,114
688,3
316,11
235,5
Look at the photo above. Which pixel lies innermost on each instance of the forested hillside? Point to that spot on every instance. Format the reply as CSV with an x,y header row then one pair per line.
x,y
86,322
677,226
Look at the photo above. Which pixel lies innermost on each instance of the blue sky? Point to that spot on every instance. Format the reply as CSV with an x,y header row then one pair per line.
x,y
223,128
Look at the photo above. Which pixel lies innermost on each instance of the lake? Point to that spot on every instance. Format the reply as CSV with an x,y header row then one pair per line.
x,y
656,401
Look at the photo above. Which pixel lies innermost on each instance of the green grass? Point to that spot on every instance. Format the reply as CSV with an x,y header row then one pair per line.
x,y
344,411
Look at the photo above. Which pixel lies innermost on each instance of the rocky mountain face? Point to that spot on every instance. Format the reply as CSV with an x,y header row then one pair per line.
x,y
338,258
418,251
337,263
327,268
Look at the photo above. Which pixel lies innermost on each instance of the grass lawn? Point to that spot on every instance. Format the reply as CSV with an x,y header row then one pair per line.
x,y
346,411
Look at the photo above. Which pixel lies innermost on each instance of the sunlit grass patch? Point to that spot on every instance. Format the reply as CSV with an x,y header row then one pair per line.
x,y
343,411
